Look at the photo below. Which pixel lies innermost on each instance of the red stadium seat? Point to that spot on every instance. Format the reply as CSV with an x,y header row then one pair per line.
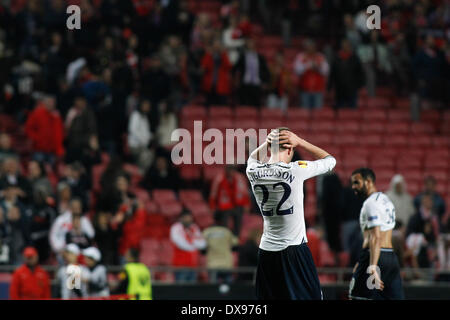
x,y
378,103
346,139
297,125
190,195
395,128
220,111
407,162
319,126
410,175
320,139
420,141
190,172
193,112
246,124
403,103
198,208
298,113
434,162
440,142
211,171
270,124
246,112
324,113
399,115
382,161
373,127
374,115
347,114
419,128
396,141
170,208
162,196
371,140
430,115
274,114
384,174
347,126
221,123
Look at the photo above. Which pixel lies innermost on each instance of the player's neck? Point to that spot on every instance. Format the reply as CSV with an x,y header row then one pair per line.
x,y
278,157
371,191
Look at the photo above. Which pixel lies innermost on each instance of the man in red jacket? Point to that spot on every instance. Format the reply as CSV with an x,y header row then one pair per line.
x,y
230,197
216,68
45,129
30,282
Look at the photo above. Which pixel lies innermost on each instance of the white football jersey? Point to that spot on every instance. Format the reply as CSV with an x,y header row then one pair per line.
x,y
278,190
377,210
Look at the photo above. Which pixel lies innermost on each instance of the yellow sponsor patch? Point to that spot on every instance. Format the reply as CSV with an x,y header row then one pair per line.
x,y
302,164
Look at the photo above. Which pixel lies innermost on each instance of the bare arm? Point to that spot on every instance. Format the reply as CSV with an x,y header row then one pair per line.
x,y
374,249
261,151
289,139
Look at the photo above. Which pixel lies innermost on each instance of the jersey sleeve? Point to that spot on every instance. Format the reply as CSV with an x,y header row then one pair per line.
x,y
309,169
373,214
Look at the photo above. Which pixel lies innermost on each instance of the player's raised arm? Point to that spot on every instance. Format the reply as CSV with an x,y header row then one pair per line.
x,y
325,162
261,152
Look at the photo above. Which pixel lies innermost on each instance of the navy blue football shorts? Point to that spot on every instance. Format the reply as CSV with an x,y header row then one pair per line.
x,y
363,288
289,274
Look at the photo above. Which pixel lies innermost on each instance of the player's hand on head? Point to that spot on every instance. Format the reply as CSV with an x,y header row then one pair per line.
x,y
273,136
288,139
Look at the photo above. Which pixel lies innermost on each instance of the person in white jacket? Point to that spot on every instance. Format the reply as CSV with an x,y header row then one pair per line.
x,y
63,223
140,135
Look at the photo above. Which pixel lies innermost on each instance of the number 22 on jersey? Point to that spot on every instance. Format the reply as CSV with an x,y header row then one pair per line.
x,y
265,197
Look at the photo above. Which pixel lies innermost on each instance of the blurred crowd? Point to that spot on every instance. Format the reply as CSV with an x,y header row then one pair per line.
x,y
115,87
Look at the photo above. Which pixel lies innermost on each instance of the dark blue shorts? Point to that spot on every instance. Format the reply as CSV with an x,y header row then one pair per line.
x,y
289,274
390,275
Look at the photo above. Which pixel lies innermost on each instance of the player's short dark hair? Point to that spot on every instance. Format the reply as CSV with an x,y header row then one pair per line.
x,y
134,253
280,129
366,173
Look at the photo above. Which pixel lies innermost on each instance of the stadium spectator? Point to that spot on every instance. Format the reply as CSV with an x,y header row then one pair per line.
x,y
331,210
351,33
312,70
37,178
30,281
232,39
161,175
401,64
41,220
135,279
220,242
63,223
402,200
78,288
74,175
63,197
96,275
168,122
279,88
422,233
6,150
346,76
430,189
44,127
80,125
429,66
187,240
77,235
252,75
216,69
248,253
375,59
107,235
12,177
16,223
140,136
229,196
351,236
89,156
